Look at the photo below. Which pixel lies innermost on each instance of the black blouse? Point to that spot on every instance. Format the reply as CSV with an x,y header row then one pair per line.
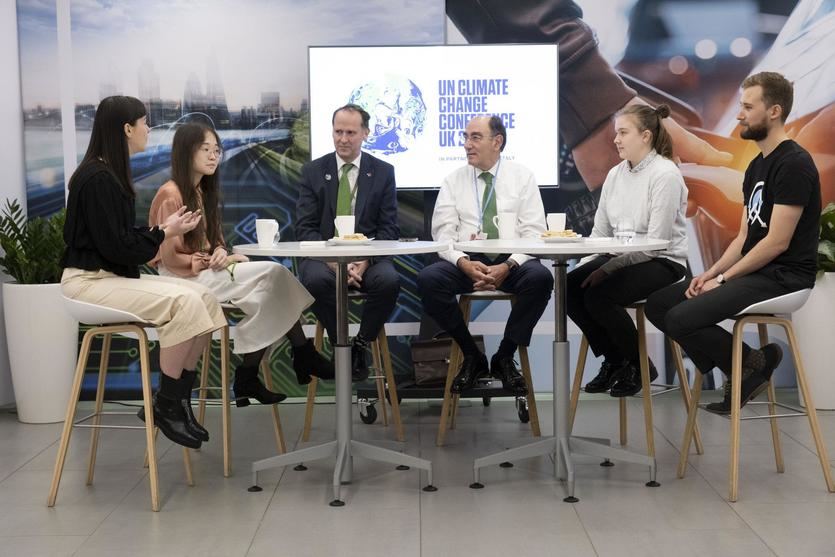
x,y
100,231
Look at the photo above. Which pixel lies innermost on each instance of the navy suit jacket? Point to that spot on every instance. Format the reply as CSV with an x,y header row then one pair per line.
x,y
376,203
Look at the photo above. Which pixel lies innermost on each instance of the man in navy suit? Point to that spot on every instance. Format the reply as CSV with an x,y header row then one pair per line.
x,y
350,182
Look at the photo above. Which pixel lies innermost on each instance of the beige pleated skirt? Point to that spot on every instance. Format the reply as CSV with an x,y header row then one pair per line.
x,y
179,309
268,294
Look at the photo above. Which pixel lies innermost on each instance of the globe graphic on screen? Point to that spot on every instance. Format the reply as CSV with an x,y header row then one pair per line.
x,y
397,112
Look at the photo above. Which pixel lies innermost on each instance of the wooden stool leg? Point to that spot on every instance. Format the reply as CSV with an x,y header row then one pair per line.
x,y
622,422
268,382
225,403
379,381
695,395
94,434
455,356
811,412
150,438
578,381
66,432
187,467
318,342
202,392
645,380
526,373
385,356
684,383
762,329
454,362
736,398
453,413
466,306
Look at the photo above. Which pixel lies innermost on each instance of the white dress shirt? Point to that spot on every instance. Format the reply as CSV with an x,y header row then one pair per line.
x,y
457,217
353,174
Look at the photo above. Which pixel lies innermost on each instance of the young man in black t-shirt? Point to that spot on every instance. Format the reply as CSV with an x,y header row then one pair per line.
x,y
775,252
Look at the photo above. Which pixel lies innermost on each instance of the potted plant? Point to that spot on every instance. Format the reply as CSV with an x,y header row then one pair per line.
x,y
815,321
42,337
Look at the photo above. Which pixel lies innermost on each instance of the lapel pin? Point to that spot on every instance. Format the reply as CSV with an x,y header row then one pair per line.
x,y
368,174
327,176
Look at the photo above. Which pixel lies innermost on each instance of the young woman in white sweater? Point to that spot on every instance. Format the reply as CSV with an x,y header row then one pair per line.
x,y
644,193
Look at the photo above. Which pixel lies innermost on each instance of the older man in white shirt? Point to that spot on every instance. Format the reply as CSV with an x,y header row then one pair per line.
x,y
469,199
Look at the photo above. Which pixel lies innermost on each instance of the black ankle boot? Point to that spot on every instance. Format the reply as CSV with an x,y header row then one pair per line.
x,y
170,418
308,361
247,385
629,382
187,380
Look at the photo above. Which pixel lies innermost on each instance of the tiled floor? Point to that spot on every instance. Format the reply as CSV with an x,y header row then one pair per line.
x,y
520,512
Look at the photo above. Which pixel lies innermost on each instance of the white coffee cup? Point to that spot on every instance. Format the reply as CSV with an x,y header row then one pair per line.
x,y
555,221
266,230
344,225
506,223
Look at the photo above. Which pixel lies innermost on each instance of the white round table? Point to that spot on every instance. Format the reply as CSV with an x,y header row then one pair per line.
x,y
344,448
562,445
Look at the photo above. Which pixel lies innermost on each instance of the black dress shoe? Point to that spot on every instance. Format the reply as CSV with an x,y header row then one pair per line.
x,y
756,373
247,385
504,368
308,361
187,380
359,369
472,369
607,376
629,382
170,418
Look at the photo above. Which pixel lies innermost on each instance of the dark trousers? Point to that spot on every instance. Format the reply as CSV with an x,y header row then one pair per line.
x,y
693,323
599,310
380,281
439,283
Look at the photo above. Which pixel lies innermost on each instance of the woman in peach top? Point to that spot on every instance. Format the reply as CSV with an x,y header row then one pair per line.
x,y
268,294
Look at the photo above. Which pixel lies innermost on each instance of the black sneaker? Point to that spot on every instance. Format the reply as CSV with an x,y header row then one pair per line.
x,y
756,373
607,376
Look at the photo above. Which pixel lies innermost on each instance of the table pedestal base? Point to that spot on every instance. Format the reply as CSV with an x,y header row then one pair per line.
x,y
344,448
561,447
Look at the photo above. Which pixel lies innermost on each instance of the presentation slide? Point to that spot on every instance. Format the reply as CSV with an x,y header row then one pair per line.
x,y
420,99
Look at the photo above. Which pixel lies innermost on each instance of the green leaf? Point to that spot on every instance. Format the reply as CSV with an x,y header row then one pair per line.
x,y
31,249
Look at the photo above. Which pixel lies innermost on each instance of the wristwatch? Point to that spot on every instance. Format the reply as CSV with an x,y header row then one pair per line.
x,y
720,279
510,263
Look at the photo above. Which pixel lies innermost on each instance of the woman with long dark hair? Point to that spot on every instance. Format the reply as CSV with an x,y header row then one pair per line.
x,y
104,251
645,195
271,298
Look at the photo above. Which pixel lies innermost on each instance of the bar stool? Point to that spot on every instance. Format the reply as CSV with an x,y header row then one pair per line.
x,y
683,386
226,333
105,322
381,360
775,311
450,405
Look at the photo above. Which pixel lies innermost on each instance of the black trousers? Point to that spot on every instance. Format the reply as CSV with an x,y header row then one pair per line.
x,y
693,323
438,285
599,310
380,281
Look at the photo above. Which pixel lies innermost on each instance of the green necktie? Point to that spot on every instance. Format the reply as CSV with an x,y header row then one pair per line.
x,y
343,195
489,208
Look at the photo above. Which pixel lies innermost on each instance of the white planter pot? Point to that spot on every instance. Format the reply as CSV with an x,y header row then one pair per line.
x,y
43,345
813,326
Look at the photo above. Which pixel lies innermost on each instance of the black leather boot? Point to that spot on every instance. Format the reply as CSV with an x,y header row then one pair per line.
x,y
608,375
308,361
247,385
170,418
187,380
629,382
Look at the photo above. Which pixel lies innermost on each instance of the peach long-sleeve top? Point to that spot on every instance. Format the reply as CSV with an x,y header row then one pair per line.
x,y
173,253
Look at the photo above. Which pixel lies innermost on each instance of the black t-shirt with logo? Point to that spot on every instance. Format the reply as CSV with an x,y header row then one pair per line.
x,y
787,176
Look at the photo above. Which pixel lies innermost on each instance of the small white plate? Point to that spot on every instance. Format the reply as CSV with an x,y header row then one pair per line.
x,y
562,239
340,242
600,240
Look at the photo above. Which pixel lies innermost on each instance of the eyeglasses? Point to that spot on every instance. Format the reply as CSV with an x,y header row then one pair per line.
x,y
475,137
208,151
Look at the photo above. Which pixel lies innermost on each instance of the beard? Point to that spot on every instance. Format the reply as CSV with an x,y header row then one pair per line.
x,y
754,132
